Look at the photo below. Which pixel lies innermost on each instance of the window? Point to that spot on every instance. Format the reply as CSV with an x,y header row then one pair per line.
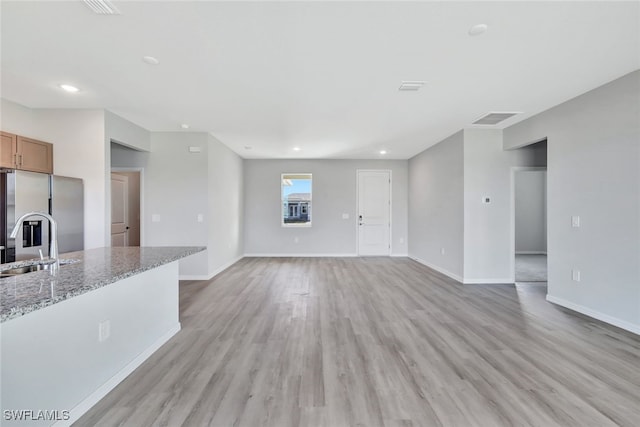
x,y
296,199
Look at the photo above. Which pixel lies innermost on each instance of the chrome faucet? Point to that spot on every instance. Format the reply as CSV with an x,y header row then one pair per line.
x,y
53,245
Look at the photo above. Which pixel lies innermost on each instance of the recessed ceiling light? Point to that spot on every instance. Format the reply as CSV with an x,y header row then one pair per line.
x,y
383,152
151,60
296,148
411,85
69,88
248,147
478,29
184,126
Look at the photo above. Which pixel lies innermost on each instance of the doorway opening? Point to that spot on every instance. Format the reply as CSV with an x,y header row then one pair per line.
x,y
374,212
125,207
530,224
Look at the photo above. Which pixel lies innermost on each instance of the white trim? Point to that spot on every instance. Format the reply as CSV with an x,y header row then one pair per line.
x,y
438,269
263,255
358,208
214,273
405,255
195,277
628,326
512,215
531,253
141,195
105,388
503,281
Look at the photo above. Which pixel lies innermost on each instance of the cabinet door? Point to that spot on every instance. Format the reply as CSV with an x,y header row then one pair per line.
x,y
8,150
34,155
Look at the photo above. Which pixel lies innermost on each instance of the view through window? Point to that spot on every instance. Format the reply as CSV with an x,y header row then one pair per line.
x,y
296,199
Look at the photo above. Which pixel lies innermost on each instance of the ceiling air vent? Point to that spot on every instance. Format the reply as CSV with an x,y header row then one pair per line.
x,y
102,7
494,118
411,85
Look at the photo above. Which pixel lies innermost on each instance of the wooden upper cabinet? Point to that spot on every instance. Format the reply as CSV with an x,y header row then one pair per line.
x,y
34,155
8,150
19,152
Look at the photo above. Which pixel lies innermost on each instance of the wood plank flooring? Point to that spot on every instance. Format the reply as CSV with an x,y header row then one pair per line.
x,y
376,342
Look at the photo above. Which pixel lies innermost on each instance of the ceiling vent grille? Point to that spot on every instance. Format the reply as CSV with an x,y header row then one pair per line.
x,y
411,85
102,7
493,118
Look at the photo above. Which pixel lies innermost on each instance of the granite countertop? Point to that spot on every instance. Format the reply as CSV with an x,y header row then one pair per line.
x,y
84,272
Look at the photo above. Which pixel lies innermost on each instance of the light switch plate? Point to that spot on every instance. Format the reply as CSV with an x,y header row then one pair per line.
x,y
200,218
155,218
345,216
575,221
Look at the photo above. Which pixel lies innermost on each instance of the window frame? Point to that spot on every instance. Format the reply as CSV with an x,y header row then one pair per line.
x,y
300,209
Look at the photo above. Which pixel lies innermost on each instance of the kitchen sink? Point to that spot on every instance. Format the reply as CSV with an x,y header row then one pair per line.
x,y
29,268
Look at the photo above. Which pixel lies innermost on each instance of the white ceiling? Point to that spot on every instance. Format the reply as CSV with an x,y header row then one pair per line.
x,y
322,76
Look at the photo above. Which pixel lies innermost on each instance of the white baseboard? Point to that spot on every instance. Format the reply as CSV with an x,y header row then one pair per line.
x,y
628,326
299,255
105,388
399,255
214,273
438,269
488,281
531,252
194,277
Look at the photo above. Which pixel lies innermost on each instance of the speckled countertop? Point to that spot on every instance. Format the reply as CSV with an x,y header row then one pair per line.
x,y
88,270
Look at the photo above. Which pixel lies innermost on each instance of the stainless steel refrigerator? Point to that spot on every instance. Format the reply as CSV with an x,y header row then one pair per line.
x,y
22,192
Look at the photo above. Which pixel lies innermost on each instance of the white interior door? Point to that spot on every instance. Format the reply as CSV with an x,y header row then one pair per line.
x,y
119,210
374,212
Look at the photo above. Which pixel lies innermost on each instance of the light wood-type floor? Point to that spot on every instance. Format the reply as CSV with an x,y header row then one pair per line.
x,y
372,342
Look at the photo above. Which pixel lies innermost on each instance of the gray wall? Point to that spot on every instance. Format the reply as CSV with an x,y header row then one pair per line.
x,y
176,189
334,193
593,172
179,186
225,206
531,212
436,206
488,233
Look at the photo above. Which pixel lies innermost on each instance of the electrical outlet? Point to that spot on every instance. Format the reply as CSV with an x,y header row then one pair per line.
x,y
345,216
104,330
401,240
441,251
200,218
575,275
155,218
296,240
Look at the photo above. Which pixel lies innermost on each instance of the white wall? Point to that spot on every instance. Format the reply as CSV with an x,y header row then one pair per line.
x,y
487,227
530,211
436,206
78,151
593,172
334,193
225,207
126,133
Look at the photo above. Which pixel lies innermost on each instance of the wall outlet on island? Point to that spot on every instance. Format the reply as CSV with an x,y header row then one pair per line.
x,y
104,330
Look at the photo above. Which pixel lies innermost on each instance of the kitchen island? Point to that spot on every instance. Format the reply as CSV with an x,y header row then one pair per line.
x,y
71,335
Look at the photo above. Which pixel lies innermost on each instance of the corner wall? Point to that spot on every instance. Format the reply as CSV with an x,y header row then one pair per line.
x,y
487,226
593,172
